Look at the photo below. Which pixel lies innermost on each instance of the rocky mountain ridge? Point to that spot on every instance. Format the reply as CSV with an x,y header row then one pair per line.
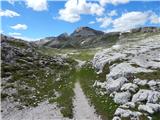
x,y
85,37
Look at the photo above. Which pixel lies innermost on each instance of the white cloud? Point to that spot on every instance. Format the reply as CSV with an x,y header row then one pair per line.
x,y
74,8
130,20
112,13
19,27
14,34
11,1
1,31
114,2
105,22
155,19
26,38
92,22
8,13
37,5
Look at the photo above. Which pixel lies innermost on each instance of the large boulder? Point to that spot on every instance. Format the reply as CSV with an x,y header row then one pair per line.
x,y
129,86
150,108
115,85
126,113
122,97
123,69
149,96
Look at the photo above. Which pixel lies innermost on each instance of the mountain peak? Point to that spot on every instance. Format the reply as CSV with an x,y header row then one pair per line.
x,y
85,31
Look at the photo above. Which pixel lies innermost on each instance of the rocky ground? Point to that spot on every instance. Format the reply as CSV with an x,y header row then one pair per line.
x,y
133,78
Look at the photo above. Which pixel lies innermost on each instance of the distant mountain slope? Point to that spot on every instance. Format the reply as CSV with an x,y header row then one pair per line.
x,y
85,37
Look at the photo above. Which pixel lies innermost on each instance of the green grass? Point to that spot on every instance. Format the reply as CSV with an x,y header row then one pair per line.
x,y
65,88
104,105
110,39
81,54
156,116
149,75
135,65
36,83
20,44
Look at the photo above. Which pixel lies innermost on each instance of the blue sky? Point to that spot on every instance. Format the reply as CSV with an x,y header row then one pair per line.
x,y
30,20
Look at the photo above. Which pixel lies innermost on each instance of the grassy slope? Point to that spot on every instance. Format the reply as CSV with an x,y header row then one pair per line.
x,y
35,82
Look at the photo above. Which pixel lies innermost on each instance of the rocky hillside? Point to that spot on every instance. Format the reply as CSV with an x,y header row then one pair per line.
x,y
85,37
132,77
29,77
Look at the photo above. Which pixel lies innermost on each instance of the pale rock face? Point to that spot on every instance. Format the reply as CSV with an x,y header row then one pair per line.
x,y
99,84
129,86
154,84
149,59
116,47
135,57
128,105
123,69
103,57
140,82
115,85
116,118
126,113
122,97
146,95
150,108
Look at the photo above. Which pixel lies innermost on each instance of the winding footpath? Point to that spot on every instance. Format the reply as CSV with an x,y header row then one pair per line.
x,y
82,109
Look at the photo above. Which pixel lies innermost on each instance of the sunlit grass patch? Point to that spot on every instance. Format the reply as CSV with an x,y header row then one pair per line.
x,y
155,75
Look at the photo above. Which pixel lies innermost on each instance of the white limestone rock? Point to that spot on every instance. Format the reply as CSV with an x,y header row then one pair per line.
x,y
99,84
103,57
129,86
128,105
140,82
116,118
122,69
122,97
146,95
154,85
126,113
150,108
115,85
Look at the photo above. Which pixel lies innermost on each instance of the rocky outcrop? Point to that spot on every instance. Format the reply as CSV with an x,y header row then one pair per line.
x,y
150,108
129,86
148,96
122,97
127,113
127,82
115,85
